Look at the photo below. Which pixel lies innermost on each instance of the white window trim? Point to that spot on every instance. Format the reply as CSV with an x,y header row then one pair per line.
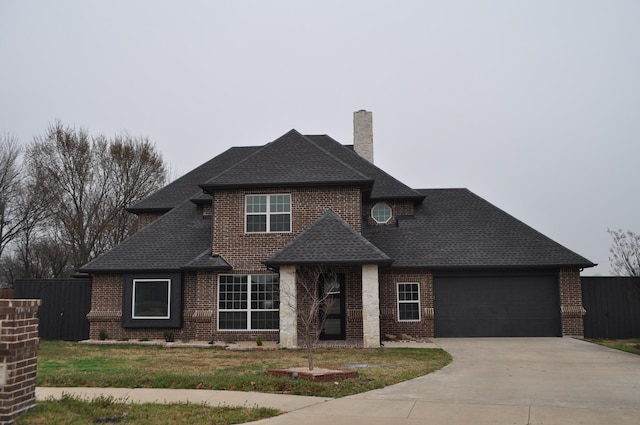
x,y
268,213
133,299
418,301
248,310
390,215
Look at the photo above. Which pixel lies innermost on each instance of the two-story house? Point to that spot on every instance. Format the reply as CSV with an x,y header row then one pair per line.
x,y
218,249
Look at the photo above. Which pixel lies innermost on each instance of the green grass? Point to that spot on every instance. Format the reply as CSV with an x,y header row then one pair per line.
x,y
71,411
68,364
627,345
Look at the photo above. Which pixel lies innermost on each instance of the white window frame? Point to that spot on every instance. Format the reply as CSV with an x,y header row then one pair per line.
x,y
133,299
268,213
408,301
247,310
390,213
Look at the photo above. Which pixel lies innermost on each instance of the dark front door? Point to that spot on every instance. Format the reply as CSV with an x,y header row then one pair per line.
x,y
333,286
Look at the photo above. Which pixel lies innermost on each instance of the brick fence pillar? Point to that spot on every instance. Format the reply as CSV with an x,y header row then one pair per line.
x,y
18,357
571,309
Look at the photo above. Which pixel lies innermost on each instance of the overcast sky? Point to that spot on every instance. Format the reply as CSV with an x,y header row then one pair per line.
x,y
533,105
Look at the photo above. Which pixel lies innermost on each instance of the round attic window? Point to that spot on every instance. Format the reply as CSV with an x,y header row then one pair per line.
x,y
381,213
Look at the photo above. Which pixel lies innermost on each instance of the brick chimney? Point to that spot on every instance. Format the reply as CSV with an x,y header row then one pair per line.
x,y
363,134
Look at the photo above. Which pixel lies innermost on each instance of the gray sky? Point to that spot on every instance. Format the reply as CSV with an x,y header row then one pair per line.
x,y
533,105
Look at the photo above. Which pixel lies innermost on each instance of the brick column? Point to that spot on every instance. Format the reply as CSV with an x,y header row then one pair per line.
x,y
571,307
18,357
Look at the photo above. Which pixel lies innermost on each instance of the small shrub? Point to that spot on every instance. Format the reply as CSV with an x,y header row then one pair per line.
x,y
259,341
103,334
168,335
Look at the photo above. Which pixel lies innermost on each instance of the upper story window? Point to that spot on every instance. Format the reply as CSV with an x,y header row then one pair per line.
x,y
381,213
268,213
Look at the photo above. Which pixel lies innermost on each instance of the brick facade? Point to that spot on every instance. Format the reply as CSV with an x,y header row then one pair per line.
x,y
571,302
18,357
145,219
389,323
247,251
398,208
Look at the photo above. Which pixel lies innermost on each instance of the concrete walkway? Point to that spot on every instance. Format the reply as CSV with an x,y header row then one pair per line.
x,y
491,381
285,403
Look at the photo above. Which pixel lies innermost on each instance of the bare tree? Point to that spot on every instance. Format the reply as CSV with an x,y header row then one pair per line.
x,y
625,252
314,287
11,214
88,182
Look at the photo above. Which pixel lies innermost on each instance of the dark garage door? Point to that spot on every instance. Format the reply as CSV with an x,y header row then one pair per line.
x,y
472,306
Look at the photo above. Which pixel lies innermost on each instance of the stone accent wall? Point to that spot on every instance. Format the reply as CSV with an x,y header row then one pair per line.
x,y
247,250
571,302
19,357
398,208
389,323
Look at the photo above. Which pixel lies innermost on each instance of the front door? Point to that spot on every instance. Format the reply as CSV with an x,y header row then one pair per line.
x,y
333,286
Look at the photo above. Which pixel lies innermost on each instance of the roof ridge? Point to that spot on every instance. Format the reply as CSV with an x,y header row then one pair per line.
x,y
246,158
288,152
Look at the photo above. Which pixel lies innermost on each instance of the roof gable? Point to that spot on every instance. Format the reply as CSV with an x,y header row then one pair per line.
x,y
329,240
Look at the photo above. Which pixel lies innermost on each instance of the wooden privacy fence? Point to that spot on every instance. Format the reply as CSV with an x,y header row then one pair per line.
x,y
613,307
64,308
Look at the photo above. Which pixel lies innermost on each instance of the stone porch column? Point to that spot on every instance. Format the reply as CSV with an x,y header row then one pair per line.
x,y
288,307
370,306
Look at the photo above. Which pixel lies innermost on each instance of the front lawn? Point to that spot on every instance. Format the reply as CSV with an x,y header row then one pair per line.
x,y
71,411
70,364
627,345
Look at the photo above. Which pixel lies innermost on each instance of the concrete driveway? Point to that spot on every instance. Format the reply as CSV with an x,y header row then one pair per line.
x,y
500,381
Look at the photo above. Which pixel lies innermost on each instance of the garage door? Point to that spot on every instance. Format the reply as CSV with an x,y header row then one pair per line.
x,y
496,306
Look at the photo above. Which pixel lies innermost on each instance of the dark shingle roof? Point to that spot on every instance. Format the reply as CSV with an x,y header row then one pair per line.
x,y
170,243
384,186
187,185
290,160
329,240
454,228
